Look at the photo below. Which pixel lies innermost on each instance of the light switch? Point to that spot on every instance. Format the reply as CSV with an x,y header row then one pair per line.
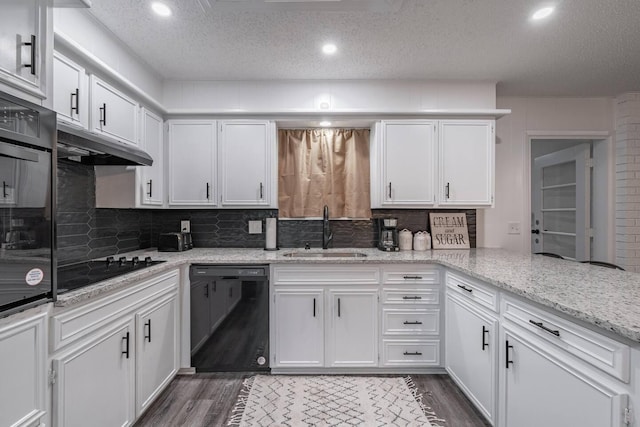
x,y
255,227
514,227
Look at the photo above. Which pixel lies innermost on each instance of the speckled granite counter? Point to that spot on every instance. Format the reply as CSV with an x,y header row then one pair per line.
x,y
608,299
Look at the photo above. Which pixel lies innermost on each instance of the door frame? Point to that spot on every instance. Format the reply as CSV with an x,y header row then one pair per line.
x,y
604,136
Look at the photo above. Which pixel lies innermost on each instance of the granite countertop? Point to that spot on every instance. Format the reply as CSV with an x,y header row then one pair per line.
x,y
600,296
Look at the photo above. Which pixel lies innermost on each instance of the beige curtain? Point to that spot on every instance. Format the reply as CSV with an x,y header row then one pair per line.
x,y
318,167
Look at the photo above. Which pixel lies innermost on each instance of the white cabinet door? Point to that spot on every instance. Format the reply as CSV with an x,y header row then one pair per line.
x,y
192,160
466,162
96,381
407,154
151,178
547,388
471,353
298,326
23,22
113,114
352,334
247,163
23,352
70,91
157,349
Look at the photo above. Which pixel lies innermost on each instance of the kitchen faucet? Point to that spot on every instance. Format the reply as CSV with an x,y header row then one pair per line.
x,y
327,235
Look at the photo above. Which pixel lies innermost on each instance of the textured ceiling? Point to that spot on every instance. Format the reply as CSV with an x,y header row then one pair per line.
x,y
587,48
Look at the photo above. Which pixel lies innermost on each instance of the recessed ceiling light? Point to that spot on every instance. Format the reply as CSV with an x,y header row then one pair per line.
x,y
542,13
329,48
325,124
161,9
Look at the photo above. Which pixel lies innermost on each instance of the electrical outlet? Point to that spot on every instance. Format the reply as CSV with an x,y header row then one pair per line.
x,y
185,225
514,227
255,227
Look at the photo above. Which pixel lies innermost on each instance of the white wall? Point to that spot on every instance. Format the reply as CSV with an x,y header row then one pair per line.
x,y
532,116
93,37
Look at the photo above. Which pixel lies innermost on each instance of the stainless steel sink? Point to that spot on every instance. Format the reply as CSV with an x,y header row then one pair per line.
x,y
325,255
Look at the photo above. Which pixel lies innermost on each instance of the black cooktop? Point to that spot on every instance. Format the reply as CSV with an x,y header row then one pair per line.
x,y
74,276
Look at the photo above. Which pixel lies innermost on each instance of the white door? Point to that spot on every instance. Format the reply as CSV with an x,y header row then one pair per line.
x,y
352,334
298,328
113,113
407,153
192,160
70,91
151,181
466,162
247,163
561,205
471,356
157,350
96,382
540,388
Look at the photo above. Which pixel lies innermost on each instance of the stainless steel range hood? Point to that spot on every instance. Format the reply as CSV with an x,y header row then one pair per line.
x,y
91,149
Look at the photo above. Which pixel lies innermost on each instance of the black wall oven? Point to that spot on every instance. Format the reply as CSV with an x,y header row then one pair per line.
x,y
27,204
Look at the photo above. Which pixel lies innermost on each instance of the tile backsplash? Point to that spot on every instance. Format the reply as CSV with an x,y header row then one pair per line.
x,y
86,232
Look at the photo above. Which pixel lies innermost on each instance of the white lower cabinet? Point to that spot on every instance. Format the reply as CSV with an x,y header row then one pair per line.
x,y
23,373
544,387
471,357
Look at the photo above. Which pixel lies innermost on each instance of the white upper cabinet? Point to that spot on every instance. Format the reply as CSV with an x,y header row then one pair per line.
x,y
70,91
23,45
192,162
150,185
466,162
403,171
113,114
247,158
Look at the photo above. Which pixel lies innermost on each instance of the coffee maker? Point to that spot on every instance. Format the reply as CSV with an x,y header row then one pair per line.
x,y
388,234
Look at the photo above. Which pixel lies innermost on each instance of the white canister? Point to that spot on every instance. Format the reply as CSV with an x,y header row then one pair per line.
x,y
422,241
404,240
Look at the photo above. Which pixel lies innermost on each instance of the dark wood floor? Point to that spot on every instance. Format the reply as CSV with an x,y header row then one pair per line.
x,y
206,399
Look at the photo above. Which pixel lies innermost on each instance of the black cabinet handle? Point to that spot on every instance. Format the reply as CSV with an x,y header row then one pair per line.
x,y
33,45
206,291
412,277
536,231
261,192
446,190
126,345
416,297
464,288
417,322
4,189
103,115
338,307
150,184
147,324
389,190
75,106
208,195
485,331
545,328
314,307
507,361
415,353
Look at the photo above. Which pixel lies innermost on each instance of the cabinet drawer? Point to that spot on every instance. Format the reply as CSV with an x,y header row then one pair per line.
x,y
79,322
325,275
602,352
411,353
414,296
410,275
410,322
473,290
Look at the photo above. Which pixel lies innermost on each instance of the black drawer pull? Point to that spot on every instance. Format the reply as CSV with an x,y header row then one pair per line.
x,y
75,105
416,297
412,277
544,328
103,114
314,307
148,325
415,353
507,361
32,44
417,322
126,340
485,331
338,307
464,288
150,184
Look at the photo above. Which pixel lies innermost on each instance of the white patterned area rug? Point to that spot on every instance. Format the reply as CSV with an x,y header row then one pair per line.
x,y
323,401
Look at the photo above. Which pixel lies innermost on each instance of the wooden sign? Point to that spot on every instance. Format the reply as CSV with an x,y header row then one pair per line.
x,y
449,230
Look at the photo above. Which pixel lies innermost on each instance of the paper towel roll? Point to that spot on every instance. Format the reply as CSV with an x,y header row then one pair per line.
x,y
271,238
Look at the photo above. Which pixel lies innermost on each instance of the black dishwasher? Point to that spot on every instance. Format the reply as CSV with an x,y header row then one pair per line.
x,y
229,318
